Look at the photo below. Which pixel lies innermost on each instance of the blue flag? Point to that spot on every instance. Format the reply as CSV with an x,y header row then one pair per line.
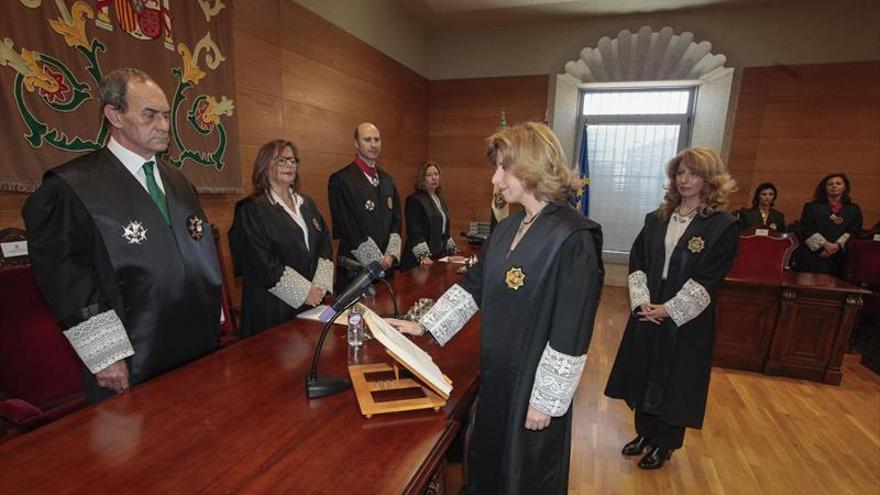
x,y
583,204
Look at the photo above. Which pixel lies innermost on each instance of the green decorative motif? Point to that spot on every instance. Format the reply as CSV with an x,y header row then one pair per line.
x,y
198,117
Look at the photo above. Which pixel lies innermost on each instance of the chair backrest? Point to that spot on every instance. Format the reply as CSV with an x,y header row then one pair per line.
x,y
37,363
762,255
228,329
862,263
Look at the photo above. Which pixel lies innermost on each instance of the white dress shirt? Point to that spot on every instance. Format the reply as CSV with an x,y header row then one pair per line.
x,y
134,163
677,225
295,215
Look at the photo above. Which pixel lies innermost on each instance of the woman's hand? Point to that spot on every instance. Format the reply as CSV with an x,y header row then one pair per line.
x,y
426,261
406,327
536,420
655,313
316,295
830,249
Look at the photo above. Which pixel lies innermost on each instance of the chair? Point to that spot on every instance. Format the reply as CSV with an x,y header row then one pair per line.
x,y
861,266
228,330
40,374
762,256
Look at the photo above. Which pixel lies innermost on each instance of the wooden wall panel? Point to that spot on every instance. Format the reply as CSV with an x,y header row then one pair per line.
x,y
463,113
795,124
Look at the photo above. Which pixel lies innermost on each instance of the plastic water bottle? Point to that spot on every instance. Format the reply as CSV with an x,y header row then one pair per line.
x,y
355,326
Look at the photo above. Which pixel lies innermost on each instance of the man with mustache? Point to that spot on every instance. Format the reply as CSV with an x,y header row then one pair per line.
x,y
121,248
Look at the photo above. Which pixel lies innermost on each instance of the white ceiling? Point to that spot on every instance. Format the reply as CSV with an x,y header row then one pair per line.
x,y
446,14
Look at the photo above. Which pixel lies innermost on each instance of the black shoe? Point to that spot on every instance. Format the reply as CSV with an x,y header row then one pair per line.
x,y
655,458
637,446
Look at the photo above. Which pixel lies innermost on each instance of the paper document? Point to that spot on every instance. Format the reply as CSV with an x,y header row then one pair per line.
x,y
456,260
315,313
408,353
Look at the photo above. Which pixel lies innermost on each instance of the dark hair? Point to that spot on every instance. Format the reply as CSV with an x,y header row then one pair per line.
x,y
112,89
756,199
264,160
820,196
423,171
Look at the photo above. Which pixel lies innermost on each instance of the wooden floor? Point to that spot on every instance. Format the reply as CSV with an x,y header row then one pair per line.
x,y
762,435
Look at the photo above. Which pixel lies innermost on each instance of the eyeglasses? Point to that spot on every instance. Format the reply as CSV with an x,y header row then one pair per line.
x,y
289,161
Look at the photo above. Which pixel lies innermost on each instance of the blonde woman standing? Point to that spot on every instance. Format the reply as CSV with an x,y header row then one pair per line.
x,y
683,252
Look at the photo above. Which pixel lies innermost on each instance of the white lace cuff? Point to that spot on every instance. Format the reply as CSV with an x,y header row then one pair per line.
x,y
100,341
842,239
421,250
690,301
815,242
638,290
324,275
393,248
556,379
446,317
450,246
367,252
292,288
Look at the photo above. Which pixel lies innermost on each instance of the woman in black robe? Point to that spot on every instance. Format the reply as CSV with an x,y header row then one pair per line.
x,y
427,220
537,319
762,215
826,223
683,252
280,243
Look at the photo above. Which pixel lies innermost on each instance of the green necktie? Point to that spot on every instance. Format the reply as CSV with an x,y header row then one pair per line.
x,y
156,193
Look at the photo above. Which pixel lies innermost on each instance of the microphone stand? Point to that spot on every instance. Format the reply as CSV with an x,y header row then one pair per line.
x,y
393,297
324,385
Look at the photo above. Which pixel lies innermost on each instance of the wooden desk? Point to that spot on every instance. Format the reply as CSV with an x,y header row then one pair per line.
x,y
238,421
796,324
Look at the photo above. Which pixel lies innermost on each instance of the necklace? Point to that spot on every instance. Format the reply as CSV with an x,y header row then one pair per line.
x,y
521,231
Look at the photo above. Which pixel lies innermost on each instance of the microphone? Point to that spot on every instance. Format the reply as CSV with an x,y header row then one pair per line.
x,y
354,290
349,264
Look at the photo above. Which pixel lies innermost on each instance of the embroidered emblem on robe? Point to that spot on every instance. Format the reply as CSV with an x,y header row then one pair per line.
x,y
316,225
389,202
515,278
374,181
696,244
836,218
773,226
134,232
369,205
195,227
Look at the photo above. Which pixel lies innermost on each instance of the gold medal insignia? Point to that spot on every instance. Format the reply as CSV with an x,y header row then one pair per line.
x,y
369,205
696,244
515,278
389,202
195,227
836,218
316,224
773,226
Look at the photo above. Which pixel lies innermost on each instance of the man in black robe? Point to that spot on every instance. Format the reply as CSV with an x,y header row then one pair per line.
x,y
365,207
121,248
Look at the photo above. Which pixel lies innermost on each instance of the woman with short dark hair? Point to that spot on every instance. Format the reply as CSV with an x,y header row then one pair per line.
x,y
427,220
280,243
826,223
762,215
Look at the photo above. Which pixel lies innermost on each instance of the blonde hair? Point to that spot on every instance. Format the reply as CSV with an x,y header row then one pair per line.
x,y
532,153
706,164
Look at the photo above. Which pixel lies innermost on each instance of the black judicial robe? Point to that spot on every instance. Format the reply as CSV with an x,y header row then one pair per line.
x,y
751,217
360,211
816,217
424,224
561,257
664,369
165,289
264,239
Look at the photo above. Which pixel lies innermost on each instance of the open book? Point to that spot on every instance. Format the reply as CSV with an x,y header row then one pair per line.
x,y
408,354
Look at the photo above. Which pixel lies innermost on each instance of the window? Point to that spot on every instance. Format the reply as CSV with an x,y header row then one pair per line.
x,y
631,134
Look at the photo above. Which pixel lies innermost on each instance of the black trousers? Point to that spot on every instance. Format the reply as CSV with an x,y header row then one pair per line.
x,y
664,435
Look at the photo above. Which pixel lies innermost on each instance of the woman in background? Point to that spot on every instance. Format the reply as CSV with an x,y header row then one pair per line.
x,y
683,252
537,284
427,220
762,215
826,223
280,243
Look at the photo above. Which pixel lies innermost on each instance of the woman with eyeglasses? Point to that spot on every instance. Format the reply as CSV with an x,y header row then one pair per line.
x,y
427,220
280,243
